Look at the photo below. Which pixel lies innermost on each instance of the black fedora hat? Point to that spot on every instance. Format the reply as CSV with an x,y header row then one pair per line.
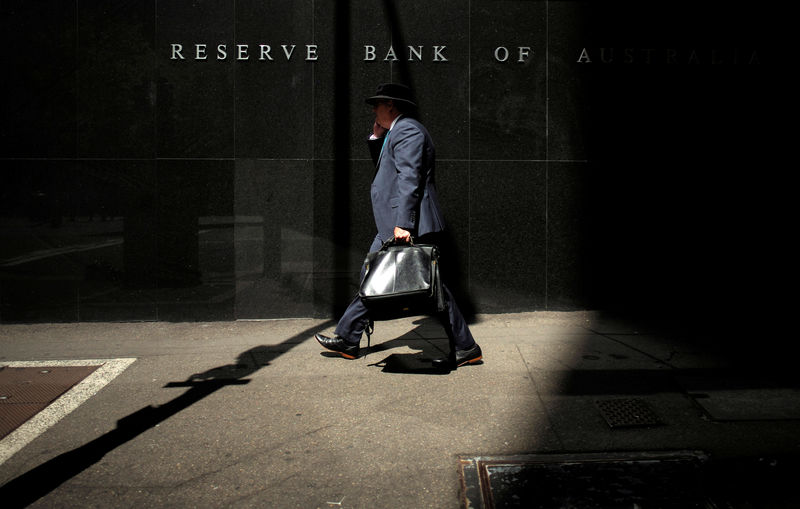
x,y
393,91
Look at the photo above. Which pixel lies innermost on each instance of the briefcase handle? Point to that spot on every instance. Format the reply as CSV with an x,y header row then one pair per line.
x,y
393,242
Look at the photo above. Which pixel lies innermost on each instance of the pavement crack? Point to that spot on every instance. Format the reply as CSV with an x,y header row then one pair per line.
x,y
550,423
315,431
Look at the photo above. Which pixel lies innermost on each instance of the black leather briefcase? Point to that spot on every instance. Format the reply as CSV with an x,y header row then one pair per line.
x,y
401,280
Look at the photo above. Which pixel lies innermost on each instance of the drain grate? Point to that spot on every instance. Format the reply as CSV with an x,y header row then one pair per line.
x,y
627,413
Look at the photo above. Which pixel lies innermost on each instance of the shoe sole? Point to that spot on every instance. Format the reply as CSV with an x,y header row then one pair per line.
x,y
345,355
470,361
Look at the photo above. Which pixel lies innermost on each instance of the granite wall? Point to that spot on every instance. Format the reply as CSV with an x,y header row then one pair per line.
x,y
206,160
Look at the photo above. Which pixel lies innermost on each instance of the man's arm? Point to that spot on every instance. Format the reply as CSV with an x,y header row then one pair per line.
x,y
375,142
408,146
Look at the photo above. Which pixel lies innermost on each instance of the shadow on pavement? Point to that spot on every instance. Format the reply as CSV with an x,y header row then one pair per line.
x,y
417,363
36,483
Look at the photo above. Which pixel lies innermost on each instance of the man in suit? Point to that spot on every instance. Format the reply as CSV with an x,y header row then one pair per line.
x,y
405,205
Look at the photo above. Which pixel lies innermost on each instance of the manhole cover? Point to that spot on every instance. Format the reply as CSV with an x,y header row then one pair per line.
x,y
627,412
612,480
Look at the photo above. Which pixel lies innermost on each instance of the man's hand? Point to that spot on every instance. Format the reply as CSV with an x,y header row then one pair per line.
x,y
401,234
378,131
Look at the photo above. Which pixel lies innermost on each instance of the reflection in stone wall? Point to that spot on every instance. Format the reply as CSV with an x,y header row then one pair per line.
x,y
206,160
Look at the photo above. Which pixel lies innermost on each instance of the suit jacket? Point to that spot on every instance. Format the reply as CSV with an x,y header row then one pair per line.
x,y
404,189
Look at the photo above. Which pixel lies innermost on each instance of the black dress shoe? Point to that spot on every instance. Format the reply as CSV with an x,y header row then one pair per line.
x,y
459,358
338,345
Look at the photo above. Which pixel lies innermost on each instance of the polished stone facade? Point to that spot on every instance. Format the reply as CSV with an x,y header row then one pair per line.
x,y
583,152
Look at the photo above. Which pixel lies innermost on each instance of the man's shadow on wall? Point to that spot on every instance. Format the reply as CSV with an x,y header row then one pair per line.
x,y
38,482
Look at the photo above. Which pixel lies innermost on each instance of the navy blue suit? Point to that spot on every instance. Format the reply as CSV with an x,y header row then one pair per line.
x,y
404,194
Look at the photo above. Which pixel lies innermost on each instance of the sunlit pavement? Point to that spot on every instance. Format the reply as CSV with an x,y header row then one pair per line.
x,y
568,408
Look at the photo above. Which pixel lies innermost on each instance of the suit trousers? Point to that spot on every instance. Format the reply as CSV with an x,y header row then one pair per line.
x,y
356,319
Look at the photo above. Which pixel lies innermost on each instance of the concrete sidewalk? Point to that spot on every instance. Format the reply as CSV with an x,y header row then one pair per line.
x,y
256,414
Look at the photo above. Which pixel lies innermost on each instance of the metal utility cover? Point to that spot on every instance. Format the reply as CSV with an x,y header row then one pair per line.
x,y
657,479
627,412
26,391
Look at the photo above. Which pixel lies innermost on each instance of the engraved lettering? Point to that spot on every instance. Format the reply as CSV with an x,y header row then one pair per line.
x,y
669,56
390,55
176,52
288,52
628,55
672,56
414,53
501,54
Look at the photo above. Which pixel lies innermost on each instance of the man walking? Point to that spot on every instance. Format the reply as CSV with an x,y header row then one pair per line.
x,y
405,205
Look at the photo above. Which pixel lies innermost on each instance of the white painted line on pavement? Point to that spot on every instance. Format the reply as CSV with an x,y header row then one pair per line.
x,y
66,403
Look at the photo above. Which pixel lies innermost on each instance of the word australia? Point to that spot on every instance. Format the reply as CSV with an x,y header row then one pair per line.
x,y
288,52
